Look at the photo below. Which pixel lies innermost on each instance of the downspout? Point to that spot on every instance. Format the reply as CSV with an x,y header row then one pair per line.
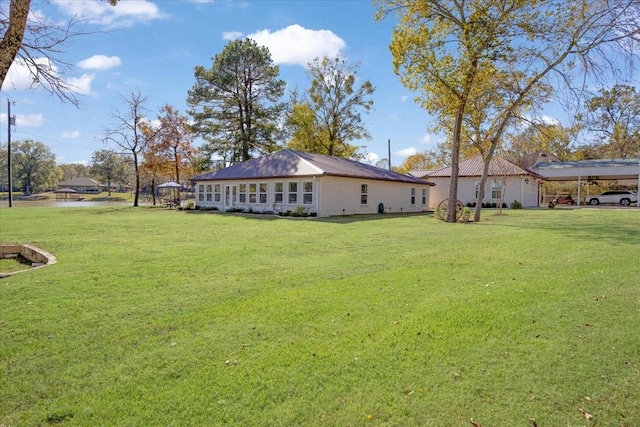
x,y
579,188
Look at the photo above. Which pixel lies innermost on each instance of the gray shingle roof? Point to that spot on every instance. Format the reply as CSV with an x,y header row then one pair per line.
x,y
79,182
290,163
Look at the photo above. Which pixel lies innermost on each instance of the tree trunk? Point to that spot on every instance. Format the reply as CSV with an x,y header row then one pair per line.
x,y
12,40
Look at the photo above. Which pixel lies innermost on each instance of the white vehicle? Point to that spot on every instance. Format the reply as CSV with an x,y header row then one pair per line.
x,y
623,197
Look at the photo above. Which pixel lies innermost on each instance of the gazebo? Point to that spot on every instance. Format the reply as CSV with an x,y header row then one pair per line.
x,y
65,194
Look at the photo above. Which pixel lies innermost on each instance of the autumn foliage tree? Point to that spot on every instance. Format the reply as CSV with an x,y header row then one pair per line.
x,y
507,52
328,117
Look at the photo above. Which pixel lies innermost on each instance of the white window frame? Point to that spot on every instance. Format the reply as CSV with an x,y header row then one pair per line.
x,y
217,193
209,192
413,196
253,193
278,192
242,192
201,192
424,196
262,192
497,187
292,196
307,192
364,194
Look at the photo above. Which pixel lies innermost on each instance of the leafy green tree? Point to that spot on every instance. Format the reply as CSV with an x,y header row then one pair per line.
x,y
329,115
109,166
485,61
35,166
73,170
614,115
235,104
555,139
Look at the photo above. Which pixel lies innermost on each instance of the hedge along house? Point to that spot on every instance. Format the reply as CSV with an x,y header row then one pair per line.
x,y
504,177
327,186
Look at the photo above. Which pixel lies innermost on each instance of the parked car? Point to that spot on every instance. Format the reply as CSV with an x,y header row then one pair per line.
x,y
623,197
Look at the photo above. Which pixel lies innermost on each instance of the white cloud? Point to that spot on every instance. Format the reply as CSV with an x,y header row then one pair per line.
x,y
29,120
74,134
404,98
23,77
100,62
124,14
20,76
371,158
81,85
298,45
231,35
426,140
406,152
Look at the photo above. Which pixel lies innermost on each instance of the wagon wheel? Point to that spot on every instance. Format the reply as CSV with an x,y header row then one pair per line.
x,y
442,211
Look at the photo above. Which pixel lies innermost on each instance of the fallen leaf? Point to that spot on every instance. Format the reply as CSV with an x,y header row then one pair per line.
x,y
586,414
533,420
475,424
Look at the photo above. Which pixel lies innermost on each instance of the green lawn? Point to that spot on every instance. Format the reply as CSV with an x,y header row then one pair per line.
x,y
154,317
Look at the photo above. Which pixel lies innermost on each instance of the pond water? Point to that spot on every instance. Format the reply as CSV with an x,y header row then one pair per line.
x,y
63,204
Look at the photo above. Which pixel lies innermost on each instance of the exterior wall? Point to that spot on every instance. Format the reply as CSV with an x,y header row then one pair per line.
x,y
328,196
342,196
517,189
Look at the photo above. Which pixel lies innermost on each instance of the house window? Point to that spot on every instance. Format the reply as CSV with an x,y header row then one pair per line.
x,y
293,193
242,193
364,192
209,192
413,195
201,193
262,192
424,196
496,190
252,193
307,192
217,193
477,189
279,192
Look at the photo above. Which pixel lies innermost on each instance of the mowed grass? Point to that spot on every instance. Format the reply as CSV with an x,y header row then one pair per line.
x,y
165,318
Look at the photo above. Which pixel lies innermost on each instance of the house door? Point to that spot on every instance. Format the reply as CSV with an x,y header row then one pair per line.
x,y
230,196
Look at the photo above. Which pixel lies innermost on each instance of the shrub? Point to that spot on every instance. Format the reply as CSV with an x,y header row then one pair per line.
x,y
516,205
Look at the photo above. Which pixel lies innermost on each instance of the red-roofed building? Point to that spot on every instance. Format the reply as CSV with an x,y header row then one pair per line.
x,y
327,186
517,183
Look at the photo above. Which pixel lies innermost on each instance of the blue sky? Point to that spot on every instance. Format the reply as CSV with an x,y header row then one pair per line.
x,y
153,46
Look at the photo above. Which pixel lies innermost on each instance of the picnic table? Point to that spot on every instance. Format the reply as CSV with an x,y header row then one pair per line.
x,y
170,203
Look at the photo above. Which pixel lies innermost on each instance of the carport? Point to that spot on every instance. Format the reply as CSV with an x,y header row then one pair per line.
x,y
590,170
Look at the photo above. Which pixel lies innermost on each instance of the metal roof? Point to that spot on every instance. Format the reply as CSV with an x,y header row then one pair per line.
x,y
290,163
474,167
591,169
79,182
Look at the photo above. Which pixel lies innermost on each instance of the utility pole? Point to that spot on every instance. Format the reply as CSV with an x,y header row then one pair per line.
x,y
10,121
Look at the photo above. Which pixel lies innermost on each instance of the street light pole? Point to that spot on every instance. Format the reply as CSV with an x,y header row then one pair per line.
x,y
10,179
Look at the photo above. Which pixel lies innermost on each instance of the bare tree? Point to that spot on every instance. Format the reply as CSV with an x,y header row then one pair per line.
x,y
127,133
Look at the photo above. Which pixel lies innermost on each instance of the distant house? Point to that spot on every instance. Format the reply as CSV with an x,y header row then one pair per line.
x,y
80,185
517,183
288,180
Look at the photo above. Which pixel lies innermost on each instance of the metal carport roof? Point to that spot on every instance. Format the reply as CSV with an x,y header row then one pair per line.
x,y
590,170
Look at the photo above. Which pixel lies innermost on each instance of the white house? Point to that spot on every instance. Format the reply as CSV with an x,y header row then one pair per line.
x,y
327,186
516,183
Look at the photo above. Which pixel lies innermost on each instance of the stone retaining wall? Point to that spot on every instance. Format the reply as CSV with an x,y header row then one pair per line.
x,y
35,255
